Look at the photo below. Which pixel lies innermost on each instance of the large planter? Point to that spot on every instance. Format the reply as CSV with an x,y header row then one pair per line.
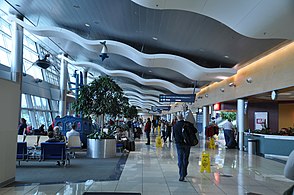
x,y
101,148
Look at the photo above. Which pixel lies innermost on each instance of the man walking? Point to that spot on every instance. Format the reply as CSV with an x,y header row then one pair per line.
x,y
183,150
229,134
147,130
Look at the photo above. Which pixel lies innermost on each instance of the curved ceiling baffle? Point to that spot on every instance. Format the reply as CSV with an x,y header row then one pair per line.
x,y
121,73
250,19
144,101
127,86
143,97
176,63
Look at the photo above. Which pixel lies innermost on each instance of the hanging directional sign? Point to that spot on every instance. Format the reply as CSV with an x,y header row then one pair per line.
x,y
160,108
177,98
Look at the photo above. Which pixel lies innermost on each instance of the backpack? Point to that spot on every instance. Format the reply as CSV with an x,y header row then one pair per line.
x,y
189,134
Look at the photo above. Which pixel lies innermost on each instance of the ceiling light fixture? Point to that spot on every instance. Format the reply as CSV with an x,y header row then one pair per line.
x,y
150,71
249,80
222,89
232,84
226,56
155,38
104,51
43,63
206,95
87,25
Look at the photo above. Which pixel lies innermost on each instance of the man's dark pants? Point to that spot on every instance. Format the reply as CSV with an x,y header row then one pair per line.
x,y
183,159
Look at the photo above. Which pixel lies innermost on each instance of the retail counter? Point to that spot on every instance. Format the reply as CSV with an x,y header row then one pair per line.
x,y
271,145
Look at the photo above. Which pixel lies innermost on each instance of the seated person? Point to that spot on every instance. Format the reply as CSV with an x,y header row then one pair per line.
x,y
72,132
38,132
52,138
57,134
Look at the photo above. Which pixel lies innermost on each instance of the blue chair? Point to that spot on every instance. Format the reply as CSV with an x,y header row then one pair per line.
x,y
22,152
54,151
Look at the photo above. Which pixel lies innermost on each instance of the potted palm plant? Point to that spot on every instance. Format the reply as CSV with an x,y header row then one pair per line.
x,y
102,96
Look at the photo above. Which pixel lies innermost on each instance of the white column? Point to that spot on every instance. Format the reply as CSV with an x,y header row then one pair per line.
x,y
17,52
85,77
240,122
205,120
63,87
17,57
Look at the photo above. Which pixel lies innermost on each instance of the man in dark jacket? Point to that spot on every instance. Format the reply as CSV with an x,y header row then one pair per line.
x,y
183,150
147,130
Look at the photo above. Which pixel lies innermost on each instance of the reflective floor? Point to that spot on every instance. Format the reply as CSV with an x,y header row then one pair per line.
x,y
151,170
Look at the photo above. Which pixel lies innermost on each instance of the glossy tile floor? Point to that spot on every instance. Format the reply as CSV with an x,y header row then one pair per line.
x,y
151,170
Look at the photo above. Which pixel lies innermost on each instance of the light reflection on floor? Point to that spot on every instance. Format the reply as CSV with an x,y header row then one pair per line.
x,y
151,170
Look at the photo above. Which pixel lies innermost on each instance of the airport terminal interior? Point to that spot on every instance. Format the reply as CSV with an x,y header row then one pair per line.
x,y
104,68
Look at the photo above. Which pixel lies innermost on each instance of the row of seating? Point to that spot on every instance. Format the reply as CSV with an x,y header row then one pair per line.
x,y
58,151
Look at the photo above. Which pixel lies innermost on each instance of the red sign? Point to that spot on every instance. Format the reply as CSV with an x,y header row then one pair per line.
x,y
217,106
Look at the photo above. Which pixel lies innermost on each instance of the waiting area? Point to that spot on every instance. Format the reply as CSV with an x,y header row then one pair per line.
x,y
153,170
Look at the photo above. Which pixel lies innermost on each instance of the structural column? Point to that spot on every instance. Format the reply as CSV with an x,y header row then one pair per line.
x,y
17,57
63,87
205,120
240,122
17,52
85,77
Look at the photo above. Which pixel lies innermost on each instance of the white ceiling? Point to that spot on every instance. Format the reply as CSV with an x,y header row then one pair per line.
x,y
173,42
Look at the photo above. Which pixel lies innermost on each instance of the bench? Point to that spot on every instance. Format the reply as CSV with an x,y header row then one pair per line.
x,y
54,151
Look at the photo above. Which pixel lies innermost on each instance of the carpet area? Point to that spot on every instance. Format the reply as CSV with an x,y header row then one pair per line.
x,y
79,170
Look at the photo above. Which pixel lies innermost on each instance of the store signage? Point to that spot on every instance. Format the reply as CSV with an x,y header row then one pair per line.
x,y
177,98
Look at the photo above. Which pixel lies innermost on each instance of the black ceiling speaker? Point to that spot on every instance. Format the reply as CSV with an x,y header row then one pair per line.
x,y
43,63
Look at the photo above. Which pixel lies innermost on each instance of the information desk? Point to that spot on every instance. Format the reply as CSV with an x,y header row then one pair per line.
x,y
271,145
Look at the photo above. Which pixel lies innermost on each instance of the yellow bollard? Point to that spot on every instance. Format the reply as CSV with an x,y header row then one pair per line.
x,y
158,129
205,162
158,142
211,143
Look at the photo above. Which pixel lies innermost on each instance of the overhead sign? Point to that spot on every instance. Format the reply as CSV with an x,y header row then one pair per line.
x,y
177,98
160,108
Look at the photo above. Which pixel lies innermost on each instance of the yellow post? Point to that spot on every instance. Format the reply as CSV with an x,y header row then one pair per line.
x,y
205,162
158,142
211,143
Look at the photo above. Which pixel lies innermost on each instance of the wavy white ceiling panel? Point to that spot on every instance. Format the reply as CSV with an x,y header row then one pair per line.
x,y
143,97
149,82
256,19
138,89
191,70
131,98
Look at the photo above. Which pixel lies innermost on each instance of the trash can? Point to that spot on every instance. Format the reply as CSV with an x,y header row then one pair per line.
x,y
252,146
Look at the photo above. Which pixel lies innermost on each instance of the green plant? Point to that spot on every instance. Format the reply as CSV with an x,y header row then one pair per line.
x,y
102,96
130,112
103,135
228,115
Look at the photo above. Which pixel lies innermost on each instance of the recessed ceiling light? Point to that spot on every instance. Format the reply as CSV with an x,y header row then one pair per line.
x,y
226,56
150,71
87,25
76,6
154,38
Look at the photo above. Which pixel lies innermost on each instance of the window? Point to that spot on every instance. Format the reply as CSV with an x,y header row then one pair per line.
x,y
4,57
